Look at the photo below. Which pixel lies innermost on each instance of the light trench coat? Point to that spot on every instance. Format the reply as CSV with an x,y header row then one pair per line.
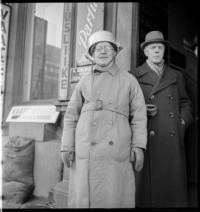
x,y
102,135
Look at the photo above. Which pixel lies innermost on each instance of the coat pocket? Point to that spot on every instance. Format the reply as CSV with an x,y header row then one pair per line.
x,y
82,135
119,146
119,150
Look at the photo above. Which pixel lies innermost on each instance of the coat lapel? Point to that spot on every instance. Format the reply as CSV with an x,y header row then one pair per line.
x,y
168,77
146,75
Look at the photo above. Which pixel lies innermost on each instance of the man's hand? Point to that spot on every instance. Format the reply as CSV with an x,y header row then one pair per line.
x,y
137,156
152,110
182,121
67,158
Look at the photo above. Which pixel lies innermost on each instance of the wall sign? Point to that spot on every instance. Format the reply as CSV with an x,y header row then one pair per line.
x,y
89,20
65,53
33,113
5,22
78,72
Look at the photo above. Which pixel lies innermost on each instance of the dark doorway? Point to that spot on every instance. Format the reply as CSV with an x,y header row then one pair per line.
x,y
153,16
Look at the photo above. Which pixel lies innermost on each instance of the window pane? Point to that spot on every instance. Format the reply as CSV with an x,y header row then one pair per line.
x,y
46,50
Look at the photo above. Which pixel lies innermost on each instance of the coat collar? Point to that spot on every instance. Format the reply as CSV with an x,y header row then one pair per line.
x,y
113,69
167,78
148,76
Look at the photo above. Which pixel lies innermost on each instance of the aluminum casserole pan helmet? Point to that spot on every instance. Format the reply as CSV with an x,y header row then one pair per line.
x,y
101,36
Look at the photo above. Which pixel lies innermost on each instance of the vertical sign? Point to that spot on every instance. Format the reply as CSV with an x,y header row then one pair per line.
x,y
65,53
5,21
89,19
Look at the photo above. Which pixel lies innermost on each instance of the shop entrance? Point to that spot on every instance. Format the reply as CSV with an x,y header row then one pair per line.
x,y
180,56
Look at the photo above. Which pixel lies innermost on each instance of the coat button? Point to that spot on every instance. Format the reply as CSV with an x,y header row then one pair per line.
x,y
93,143
94,123
99,106
110,122
111,143
172,133
170,96
152,97
152,133
171,114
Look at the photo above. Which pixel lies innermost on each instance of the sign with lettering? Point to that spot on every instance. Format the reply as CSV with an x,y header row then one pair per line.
x,y
89,19
78,72
5,21
65,53
33,113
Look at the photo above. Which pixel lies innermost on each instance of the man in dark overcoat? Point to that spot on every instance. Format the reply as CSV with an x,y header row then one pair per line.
x,y
162,182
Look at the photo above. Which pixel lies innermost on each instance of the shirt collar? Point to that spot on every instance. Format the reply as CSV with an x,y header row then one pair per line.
x,y
157,68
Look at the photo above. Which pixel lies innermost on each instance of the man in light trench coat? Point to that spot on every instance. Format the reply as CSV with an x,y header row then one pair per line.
x,y
104,131
162,182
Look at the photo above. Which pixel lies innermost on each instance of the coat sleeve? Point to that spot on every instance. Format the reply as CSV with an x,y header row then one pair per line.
x,y
184,101
138,116
71,118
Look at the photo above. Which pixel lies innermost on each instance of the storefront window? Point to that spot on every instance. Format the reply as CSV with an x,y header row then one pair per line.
x,y
47,38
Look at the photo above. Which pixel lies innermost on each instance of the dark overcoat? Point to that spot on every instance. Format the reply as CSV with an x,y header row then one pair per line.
x,y
162,182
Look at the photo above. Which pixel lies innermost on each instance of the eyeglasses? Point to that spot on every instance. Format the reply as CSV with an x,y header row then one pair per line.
x,y
106,48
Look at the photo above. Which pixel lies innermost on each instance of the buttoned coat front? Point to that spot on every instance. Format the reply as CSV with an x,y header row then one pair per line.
x,y
102,174
162,182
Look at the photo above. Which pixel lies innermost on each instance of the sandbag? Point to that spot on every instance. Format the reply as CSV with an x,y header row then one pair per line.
x,y
18,161
16,192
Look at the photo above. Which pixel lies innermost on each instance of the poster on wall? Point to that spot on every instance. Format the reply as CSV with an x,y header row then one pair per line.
x,y
90,18
5,22
33,113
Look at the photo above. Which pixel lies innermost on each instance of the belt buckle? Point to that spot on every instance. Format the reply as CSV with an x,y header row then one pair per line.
x,y
99,104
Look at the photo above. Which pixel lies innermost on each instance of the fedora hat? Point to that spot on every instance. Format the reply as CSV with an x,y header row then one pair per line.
x,y
153,37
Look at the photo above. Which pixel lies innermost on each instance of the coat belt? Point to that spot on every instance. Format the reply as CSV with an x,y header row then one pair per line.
x,y
98,105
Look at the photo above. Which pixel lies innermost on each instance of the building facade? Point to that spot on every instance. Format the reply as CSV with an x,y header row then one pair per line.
x,y
43,49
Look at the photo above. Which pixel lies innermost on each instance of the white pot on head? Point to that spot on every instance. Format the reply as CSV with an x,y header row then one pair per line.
x,y
102,36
